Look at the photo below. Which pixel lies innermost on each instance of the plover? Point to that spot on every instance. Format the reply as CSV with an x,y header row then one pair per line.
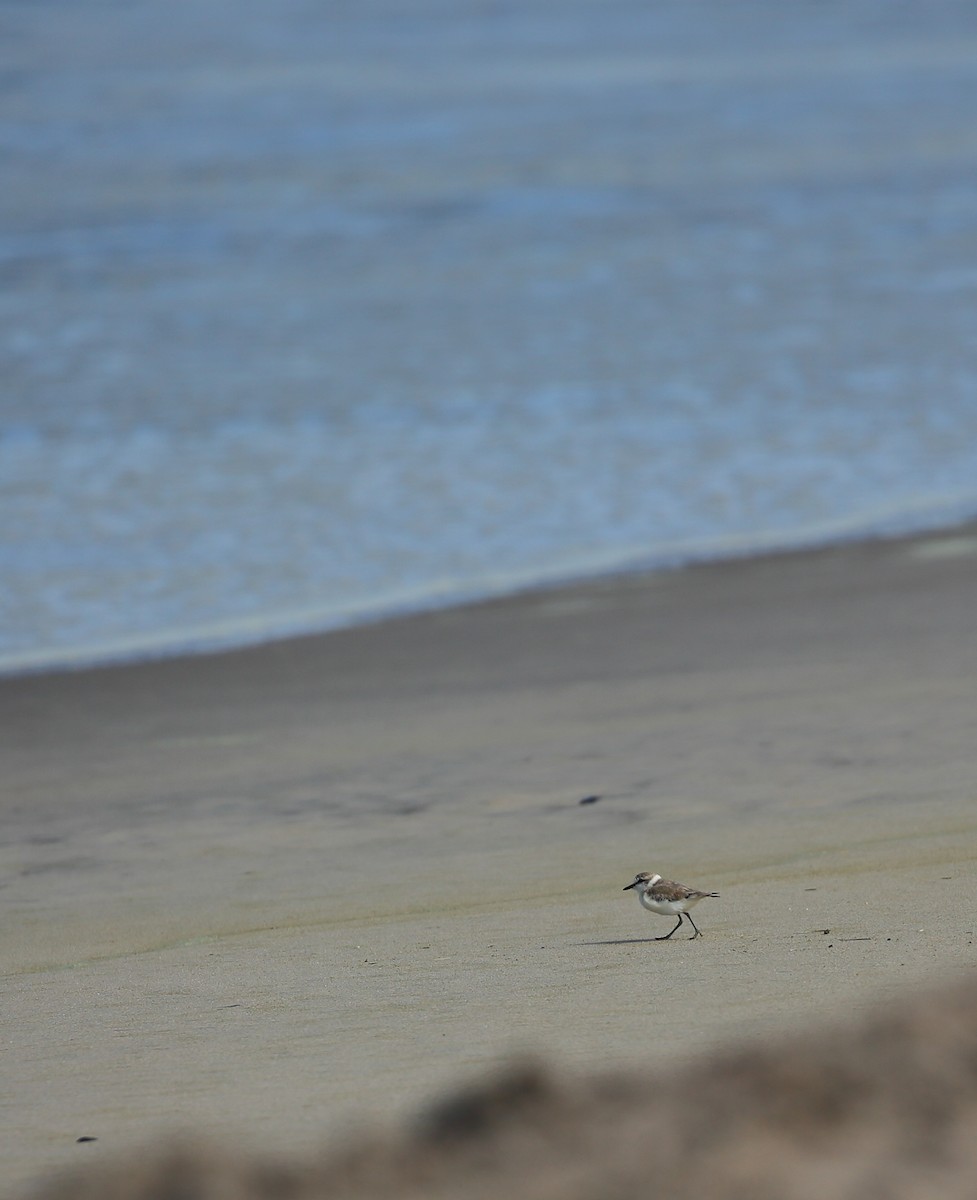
x,y
668,899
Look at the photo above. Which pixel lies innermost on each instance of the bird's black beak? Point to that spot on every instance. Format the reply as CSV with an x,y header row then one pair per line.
x,y
630,886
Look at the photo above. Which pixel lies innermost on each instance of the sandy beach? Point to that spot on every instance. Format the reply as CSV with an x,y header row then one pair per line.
x,y
272,893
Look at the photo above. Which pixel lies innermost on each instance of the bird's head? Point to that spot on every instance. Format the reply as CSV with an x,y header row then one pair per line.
x,y
642,879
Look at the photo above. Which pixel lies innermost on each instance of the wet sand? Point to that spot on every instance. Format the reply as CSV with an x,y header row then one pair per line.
x,y
269,893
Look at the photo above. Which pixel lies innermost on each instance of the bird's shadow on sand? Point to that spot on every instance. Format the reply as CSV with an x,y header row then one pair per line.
x,y
623,942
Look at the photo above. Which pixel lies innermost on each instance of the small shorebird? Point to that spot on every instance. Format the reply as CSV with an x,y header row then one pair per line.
x,y
668,899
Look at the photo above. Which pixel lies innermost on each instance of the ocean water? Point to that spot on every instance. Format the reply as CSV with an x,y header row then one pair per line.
x,y
311,314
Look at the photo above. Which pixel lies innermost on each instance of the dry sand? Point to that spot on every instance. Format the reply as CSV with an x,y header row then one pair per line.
x,y
883,1107
268,893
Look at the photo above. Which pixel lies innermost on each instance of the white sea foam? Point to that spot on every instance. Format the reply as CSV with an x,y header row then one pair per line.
x,y
157,543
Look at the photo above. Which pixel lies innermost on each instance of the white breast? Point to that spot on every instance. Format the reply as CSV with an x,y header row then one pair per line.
x,y
665,908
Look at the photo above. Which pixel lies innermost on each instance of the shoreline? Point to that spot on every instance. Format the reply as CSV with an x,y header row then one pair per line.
x,y
937,518
268,892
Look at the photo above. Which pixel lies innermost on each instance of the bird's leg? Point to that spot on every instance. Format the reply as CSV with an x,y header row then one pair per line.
x,y
666,936
695,927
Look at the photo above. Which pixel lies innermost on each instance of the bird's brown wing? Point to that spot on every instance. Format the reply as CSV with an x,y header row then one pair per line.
x,y
667,889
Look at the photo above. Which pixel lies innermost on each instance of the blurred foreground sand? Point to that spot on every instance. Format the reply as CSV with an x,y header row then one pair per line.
x,y
885,1107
